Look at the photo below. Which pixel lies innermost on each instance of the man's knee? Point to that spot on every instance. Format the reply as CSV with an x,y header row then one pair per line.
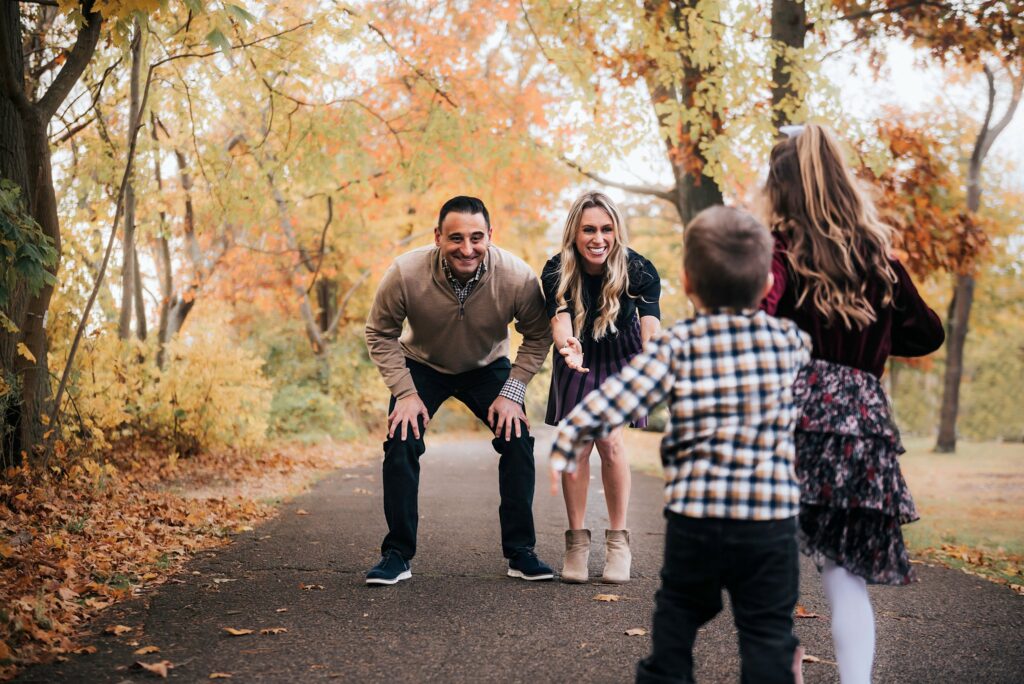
x,y
516,446
397,448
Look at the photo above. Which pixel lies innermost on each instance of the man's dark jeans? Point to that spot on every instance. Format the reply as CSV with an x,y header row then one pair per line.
x,y
757,562
477,389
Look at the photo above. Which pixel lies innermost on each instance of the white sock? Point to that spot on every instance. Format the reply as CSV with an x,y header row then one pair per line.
x,y
853,623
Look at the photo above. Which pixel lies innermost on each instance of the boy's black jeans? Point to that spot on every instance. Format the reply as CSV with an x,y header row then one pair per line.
x,y
757,562
477,389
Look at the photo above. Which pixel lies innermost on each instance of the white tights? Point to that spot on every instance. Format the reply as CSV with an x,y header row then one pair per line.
x,y
853,623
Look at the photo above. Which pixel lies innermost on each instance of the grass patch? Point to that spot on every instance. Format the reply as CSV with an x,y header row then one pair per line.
x,y
971,503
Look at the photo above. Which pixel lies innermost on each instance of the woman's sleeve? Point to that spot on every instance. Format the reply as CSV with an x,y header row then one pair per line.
x,y
647,289
780,275
916,329
549,283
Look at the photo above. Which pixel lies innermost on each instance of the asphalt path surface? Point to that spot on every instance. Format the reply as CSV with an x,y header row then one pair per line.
x,y
460,619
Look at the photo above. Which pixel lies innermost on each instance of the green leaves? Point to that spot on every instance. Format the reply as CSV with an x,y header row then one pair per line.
x,y
239,13
217,39
26,253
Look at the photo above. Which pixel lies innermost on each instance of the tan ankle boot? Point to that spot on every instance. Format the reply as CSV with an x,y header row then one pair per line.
x,y
577,556
617,557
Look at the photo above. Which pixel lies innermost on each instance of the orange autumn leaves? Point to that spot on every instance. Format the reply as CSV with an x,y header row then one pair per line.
x,y
922,196
74,545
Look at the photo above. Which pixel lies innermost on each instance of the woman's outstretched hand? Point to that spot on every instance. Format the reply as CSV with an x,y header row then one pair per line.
x,y
572,352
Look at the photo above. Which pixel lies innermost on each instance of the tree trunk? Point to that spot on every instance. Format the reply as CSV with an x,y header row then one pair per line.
x,y
963,293
694,190
140,303
129,275
956,340
25,159
789,29
14,167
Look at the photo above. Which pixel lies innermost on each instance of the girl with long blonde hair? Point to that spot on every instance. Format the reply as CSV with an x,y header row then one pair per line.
x,y
602,298
835,278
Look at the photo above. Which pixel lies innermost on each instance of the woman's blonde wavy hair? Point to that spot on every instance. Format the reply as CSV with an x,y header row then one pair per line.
x,y
836,243
616,277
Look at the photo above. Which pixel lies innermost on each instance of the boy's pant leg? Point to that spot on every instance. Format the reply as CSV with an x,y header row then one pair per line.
x,y
516,469
401,470
763,584
690,595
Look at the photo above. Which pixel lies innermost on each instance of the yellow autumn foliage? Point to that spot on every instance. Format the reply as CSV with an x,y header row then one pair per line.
x,y
211,393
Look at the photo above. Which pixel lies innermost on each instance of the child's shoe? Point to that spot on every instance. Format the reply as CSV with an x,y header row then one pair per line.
x,y
577,556
618,557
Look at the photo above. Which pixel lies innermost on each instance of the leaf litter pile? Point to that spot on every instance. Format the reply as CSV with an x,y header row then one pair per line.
x,y
76,540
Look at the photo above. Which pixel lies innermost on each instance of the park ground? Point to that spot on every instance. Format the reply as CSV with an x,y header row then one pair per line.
x,y
150,528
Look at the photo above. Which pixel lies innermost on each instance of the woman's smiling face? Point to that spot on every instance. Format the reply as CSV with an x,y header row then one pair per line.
x,y
594,239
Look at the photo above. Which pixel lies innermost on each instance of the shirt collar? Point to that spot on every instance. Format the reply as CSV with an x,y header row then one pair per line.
x,y
480,270
727,310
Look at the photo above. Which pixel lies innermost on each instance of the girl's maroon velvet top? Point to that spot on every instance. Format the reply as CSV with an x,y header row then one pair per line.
x,y
907,327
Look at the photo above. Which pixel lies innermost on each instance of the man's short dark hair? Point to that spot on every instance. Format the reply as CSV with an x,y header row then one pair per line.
x,y
463,204
727,255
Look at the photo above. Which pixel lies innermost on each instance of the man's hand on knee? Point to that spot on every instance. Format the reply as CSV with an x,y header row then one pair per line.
x,y
505,414
406,413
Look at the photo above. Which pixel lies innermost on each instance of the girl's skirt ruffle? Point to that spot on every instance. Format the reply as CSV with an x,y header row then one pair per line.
x,y
853,495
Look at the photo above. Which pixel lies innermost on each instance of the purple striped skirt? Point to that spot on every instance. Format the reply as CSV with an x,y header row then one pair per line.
x,y
604,358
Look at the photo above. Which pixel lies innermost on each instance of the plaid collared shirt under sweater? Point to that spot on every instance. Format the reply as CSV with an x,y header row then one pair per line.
x,y
513,389
727,375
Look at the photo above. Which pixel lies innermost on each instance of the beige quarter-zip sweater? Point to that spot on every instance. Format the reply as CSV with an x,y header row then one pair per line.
x,y
450,338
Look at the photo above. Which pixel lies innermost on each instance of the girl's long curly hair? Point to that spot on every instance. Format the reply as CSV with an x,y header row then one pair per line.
x,y
616,277
836,243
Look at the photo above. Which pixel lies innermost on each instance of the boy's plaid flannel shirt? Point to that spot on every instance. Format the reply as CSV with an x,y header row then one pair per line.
x,y
728,451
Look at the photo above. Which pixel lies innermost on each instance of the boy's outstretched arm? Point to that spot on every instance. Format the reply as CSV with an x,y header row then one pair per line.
x,y
621,399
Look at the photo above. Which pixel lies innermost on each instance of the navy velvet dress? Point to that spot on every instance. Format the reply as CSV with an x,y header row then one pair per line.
x,y
612,352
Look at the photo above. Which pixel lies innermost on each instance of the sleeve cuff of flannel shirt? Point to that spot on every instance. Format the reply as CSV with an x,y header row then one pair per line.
x,y
514,390
563,456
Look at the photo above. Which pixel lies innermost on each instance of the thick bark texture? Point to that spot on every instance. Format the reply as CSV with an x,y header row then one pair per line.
x,y
694,190
789,29
25,159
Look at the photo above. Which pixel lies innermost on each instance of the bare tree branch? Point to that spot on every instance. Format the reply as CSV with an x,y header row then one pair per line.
x,y
864,14
667,194
993,132
78,59
323,238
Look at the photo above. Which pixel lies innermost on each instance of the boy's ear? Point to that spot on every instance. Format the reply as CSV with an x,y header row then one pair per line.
x,y
687,287
769,283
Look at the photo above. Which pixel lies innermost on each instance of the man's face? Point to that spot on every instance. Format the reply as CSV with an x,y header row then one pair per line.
x,y
463,239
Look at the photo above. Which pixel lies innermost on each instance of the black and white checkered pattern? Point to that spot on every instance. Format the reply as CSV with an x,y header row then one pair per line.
x,y
728,376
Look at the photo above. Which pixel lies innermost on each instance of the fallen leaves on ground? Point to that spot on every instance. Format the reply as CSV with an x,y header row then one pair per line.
x,y
607,598
995,566
802,612
146,650
160,669
219,675
117,630
83,536
273,630
311,587
237,632
302,511
636,631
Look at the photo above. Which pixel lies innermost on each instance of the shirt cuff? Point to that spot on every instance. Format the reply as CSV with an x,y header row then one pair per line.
x,y
514,390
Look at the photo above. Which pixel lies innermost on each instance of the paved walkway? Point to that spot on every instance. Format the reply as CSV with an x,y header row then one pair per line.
x,y
461,620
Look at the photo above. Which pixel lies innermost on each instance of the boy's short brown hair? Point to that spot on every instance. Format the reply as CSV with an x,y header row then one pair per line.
x,y
727,255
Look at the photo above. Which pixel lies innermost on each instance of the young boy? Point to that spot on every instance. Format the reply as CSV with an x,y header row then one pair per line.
x,y
730,488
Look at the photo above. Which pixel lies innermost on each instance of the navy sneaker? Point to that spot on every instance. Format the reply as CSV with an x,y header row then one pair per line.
x,y
391,569
525,565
